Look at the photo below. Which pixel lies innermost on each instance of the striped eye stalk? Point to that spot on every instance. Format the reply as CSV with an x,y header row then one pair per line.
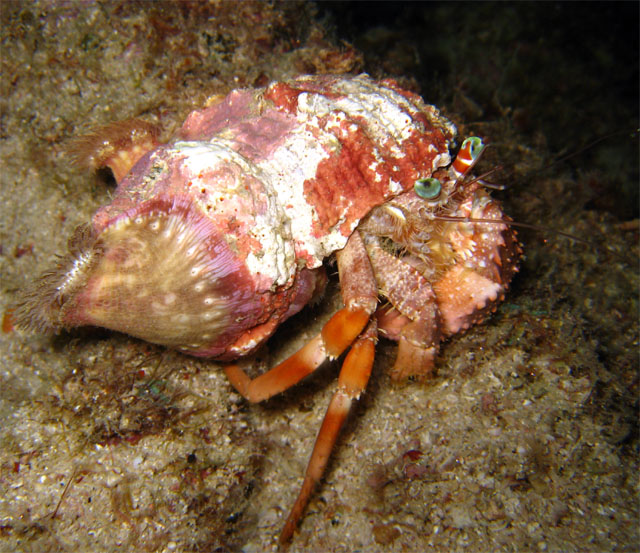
x,y
467,157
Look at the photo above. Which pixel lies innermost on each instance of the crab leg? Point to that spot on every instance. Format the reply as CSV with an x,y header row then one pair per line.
x,y
352,381
415,319
335,337
359,294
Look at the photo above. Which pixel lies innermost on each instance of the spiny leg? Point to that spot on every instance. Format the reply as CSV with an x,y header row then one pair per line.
x,y
415,319
352,381
359,294
416,348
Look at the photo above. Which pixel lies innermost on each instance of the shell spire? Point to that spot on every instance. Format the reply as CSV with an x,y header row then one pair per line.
x,y
41,306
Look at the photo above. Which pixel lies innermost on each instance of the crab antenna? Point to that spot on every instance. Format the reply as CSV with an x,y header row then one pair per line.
x,y
531,226
480,180
588,146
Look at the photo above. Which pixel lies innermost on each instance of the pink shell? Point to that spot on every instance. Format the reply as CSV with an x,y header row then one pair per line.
x,y
215,238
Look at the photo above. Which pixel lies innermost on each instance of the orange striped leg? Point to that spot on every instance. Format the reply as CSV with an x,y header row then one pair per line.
x,y
360,296
359,293
352,381
335,337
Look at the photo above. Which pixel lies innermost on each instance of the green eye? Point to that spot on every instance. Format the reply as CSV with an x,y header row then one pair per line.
x,y
474,145
429,189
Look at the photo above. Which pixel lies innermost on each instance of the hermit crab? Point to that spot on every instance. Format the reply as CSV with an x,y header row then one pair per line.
x,y
215,238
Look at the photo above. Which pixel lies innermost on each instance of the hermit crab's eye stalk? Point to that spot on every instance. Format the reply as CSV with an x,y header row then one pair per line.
x,y
467,157
428,189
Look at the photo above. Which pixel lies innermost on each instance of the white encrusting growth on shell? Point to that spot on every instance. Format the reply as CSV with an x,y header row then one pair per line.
x,y
387,111
291,165
241,183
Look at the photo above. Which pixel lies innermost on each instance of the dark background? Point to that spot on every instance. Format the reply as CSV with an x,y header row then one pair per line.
x,y
566,71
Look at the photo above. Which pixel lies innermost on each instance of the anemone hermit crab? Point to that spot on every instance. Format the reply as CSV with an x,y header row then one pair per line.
x,y
216,237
